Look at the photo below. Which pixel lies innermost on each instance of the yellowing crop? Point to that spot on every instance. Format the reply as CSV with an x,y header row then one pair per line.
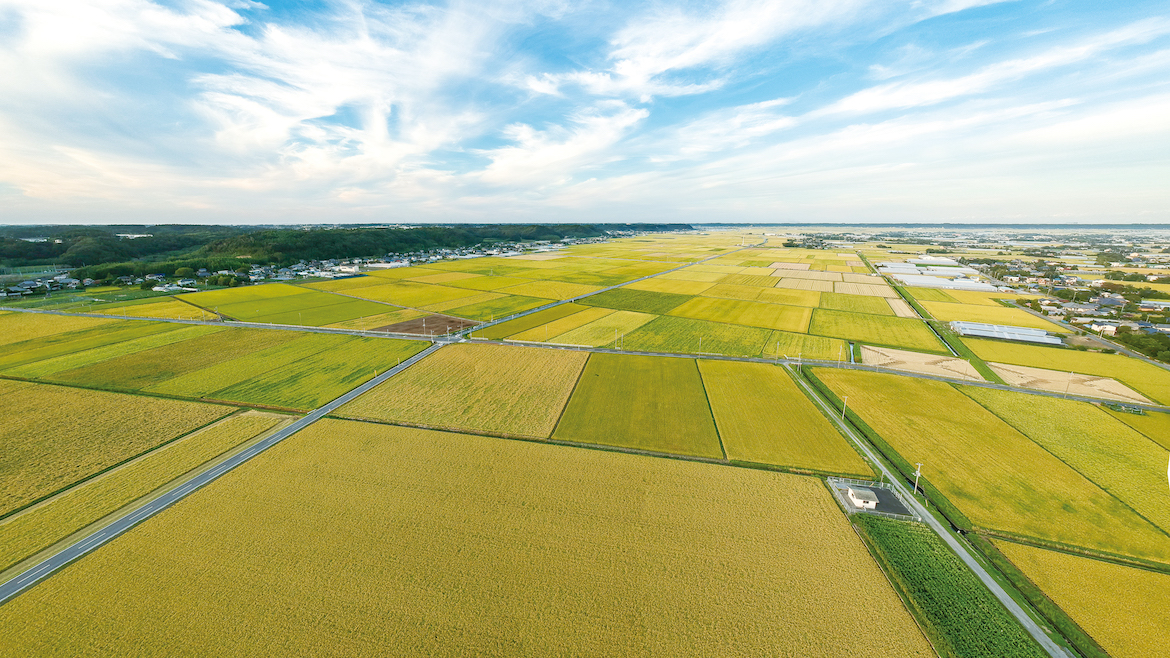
x,y
474,545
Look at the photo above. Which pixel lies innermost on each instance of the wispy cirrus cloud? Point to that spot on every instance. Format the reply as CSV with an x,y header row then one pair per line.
x,y
219,111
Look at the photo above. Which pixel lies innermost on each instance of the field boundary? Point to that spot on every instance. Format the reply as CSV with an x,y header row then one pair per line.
x,y
82,546
18,510
711,410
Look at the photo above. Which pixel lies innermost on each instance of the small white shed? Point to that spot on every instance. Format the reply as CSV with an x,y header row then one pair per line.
x,y
863,498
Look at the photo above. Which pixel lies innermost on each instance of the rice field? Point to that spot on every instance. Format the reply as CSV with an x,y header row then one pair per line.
x,y
377,321
876,330
676,286
1126,611
279,303
764,418
783,344
485,311
685,336
40,526
856,303
519,325
641,301
989,314
46,368
62,435
18,327
999,478
363,522
1156,426
1111,454
314,380
166,308
412,294
550,289
931,295
750,314
205,382
69,342
141,369
550,330
482,387
609,329
1147,379
644,402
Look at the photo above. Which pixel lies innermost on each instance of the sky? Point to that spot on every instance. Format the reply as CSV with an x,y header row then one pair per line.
x,y
850,111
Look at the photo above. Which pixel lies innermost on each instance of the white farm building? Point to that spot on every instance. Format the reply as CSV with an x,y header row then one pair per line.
x,y
862,498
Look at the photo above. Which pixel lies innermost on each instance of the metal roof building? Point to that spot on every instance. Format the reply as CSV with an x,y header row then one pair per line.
x,y
1003,332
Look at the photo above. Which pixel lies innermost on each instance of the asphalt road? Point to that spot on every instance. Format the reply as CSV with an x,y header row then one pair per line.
x,y
43,569
961,549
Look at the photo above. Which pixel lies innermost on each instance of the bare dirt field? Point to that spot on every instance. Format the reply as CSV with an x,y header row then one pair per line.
x,y
927,364
427,325
1063,382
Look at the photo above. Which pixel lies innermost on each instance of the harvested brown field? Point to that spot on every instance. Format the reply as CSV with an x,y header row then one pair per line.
x,y
927,364
1063,382
789,266
427,325
901,308
482,387
873,290
357,539
815,276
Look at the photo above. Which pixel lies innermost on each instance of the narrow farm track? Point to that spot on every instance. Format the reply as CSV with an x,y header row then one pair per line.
x,y
962,550
38,571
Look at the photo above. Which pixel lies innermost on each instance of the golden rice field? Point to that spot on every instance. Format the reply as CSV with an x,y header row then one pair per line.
x,y
379,321
550,289
550,330
750,314
805,346
316,379
606,330
676,286
875,330
645,402
472,545
218,376
478,386
1122,608
148,367
17,327
520,325
62,435
71,342
40,526
1150,380
166,308
1113,455
85,357
1156,426
763,417
985,298
686,336
996,314
999,478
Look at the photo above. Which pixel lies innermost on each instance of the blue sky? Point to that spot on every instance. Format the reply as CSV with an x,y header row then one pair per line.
x,y
797,111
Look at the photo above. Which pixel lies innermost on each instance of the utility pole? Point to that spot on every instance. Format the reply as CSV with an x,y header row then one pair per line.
x,y
917,474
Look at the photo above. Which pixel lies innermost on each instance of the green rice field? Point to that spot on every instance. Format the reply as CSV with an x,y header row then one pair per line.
x,y
643,402
905,333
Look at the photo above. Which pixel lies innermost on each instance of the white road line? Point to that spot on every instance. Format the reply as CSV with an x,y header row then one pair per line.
x,y
87,545
33,574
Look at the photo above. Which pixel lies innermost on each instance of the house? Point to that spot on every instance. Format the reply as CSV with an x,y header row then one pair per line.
x,y
186,282
862,498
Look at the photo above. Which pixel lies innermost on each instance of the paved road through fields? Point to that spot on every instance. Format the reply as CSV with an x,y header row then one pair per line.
x,y
962,550
41,570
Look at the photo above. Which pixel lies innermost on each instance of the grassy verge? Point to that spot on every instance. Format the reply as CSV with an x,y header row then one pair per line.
x,y
1052,612
957,612
905,468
